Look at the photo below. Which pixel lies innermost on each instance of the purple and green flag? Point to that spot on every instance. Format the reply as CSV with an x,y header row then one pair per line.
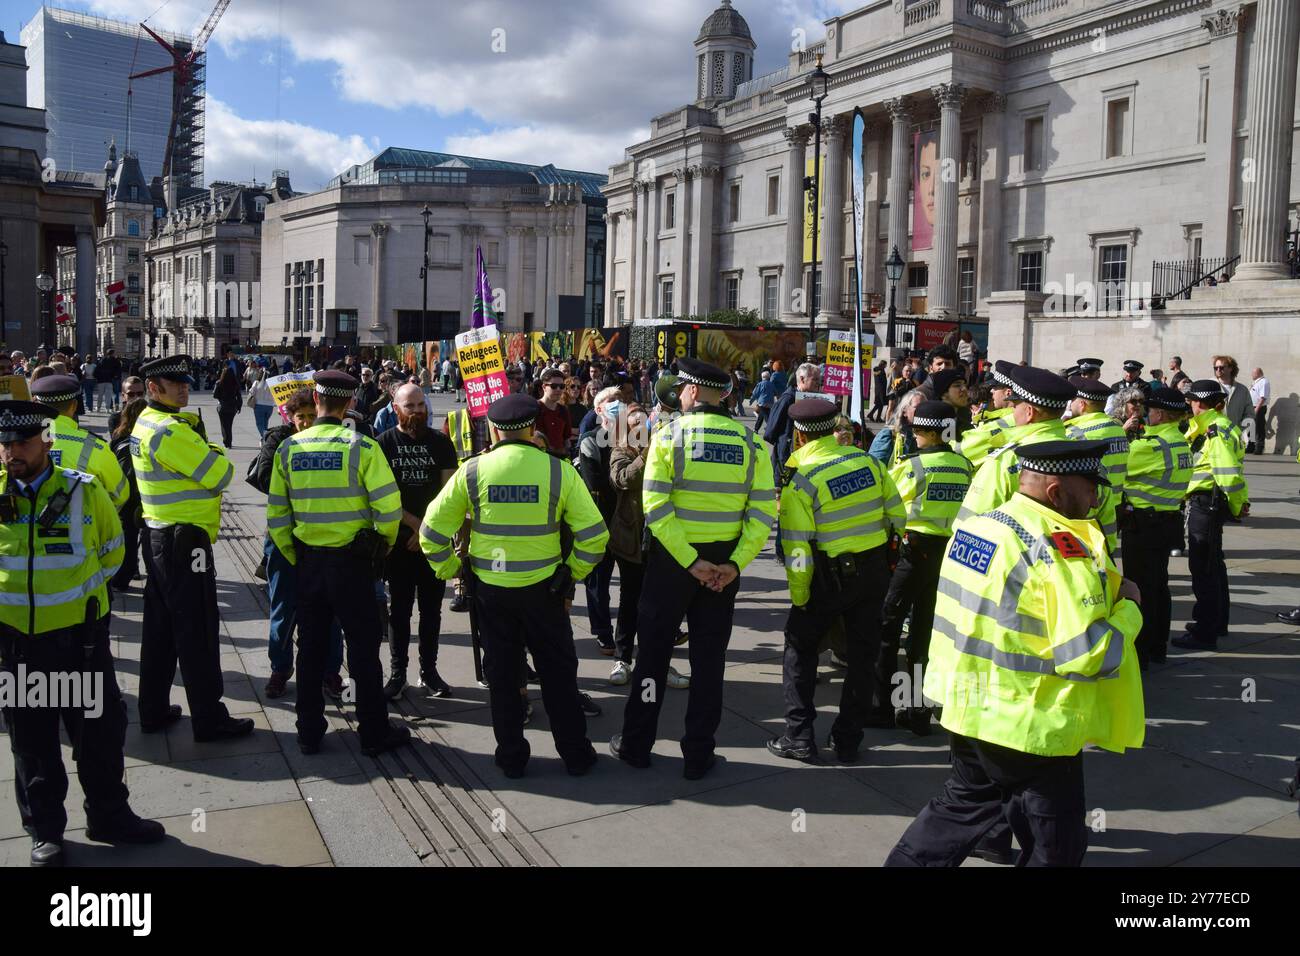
x,y
483,314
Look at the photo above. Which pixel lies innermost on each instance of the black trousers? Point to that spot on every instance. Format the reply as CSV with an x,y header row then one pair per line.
x,y
912,589
410,578
131,559
1041,798
858,607
631,578
97,730
180,625
226,415
1256,447
335,584
510,621
1146,547
668,595
1208,570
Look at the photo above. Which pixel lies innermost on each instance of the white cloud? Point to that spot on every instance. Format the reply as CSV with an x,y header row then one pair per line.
x,y
287,83
587,152
239,148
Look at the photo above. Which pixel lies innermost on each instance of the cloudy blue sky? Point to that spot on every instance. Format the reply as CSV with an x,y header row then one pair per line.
x,y
316,85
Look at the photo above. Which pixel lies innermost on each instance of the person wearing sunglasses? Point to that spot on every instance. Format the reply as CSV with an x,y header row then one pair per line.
x,y
553,421
132,388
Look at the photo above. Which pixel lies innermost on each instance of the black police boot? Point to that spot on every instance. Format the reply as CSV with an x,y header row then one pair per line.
x,y
308,746
225,729
1189,642
789,749
589,707
696,769
433,683
1291,617
580,767
396,737
173,715
459,602
47,853
126,827
917,720
844,752
995,852
616,748
396,684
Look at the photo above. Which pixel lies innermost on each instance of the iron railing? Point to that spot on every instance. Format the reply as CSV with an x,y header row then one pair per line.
x,y
1176,278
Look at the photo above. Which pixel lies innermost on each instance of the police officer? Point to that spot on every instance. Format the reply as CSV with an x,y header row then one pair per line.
x,y
74,447
1159,470
1031,660
1038,397
333,511
1132,378
710,505
837,509
1089,422
992,425
518,497
1217,493
932,485
1089,368
468,438
61,541
181,476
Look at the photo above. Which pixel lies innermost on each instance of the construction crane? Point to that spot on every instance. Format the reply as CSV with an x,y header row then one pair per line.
x,y
182,66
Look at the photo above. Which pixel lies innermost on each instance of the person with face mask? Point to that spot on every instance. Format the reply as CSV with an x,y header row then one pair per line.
x,y
1032,659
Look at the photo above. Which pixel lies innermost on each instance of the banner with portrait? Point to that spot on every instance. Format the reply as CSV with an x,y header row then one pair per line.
x,y
925,179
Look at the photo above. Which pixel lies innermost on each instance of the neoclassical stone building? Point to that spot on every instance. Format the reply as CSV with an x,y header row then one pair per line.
x,y
1010,145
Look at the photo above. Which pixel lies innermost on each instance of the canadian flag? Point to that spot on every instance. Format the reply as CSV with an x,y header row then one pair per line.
x,y
61,303
116,297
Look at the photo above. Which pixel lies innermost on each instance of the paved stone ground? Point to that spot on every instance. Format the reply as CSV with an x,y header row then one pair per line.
x,y
1208,789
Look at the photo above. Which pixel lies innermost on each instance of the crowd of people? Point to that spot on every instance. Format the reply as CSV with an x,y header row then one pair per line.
x,y
961,563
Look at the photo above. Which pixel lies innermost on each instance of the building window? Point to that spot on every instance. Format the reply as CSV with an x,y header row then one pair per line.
x,y
620,309
132,256
1031,272
440,249
771,296
1203,111
700,81
1113,277
666,297
731,294
133,227
297,309
773,194
309,301
227,265
133,282
494,253
733,202
737,69
347,323
719,73
360,252
970,155
918,276
1034,143
670,210
1116,128
966,286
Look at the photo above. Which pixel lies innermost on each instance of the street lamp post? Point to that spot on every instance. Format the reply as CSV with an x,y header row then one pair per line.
x,y
4,328
893,272
45,282
817,88
424,276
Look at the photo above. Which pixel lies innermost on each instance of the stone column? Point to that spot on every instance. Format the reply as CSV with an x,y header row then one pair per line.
x,y
85,337
515,277
702,244
1267,175
943,281
380,333
797,141
654,206
991,252
1221,123
632,287
869,241
900,181
611,248
469,237
645,294
834,132
557,241
681,242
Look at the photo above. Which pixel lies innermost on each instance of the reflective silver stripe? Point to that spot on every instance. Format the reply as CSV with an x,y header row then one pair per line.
x,y
806,486
1226,471
874,527
53,562
87,447
1132,480
1239,486
893,503
535,564
557,485
121,487
837,461
717,487
762,494
87,587
1131,492
788,535
388,489
516,530
856,510
318,494
589,532
279,501
661,487
354,464
430,535
977,647
110,544
1004,613
205,466
160,474
471,485
797,562
1110,528
1077,647
753,514
111,569
440,556
276,521
710,517
172,497
387,516
918,493
591,557
329,517
663,511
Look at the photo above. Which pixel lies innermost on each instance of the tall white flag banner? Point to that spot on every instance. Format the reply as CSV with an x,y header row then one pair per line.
x,y
859,134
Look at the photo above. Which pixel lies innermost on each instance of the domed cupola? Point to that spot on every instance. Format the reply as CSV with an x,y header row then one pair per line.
x,y
724,55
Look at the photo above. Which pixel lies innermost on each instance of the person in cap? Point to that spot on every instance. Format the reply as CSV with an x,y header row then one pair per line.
x,y
62,540
1089,368
992,426
1157,474
1216,493
1038,398
932,484
710,505
74,447
180,476
838,507
668,402
1031,660
333,510
1132,378
1089,422
519,497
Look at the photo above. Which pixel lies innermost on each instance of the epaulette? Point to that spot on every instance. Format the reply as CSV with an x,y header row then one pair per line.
x,y
1212,431
81,476
787,474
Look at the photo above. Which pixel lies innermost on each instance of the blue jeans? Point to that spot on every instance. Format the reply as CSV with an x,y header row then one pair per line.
x,y
281,586
597,585
262,416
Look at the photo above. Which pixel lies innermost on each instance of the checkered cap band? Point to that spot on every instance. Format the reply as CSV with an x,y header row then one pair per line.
x,y
514,426
55,398
686,378
938,424
1207,393
334,391
10,422
817,424
1157,401
1062,466
175,368
1026,395
1001,379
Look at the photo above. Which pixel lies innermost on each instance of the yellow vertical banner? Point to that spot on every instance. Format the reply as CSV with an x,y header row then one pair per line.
x,y
810,211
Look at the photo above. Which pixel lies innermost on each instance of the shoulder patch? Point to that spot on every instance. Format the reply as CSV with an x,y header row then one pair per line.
x,y
81,476
972,551
1211,431
1068,545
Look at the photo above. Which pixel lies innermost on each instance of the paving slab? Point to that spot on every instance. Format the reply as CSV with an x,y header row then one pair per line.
x,y
356,827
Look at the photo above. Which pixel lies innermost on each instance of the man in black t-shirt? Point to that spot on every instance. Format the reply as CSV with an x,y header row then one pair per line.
x,y
422,461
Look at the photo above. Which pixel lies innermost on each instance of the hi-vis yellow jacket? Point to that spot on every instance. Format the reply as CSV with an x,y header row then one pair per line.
x,y
1218,455
1098,426
932,484
1032,647
998,479
709,478
1159,468
47,575
516,495
78,449
989,434
179,473
330,482
838,499
461,431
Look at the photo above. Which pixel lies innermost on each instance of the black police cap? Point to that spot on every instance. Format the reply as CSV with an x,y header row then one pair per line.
x,y
21,420
334,384
55,389
934,415
1038,386
1167,398
1133,365
1091,389
1001,368
512,413
175,368
1208,390
813,415
1090,364
692,371
1064,457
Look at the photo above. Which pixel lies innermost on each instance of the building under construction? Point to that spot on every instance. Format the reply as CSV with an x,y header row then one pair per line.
x,y
77,71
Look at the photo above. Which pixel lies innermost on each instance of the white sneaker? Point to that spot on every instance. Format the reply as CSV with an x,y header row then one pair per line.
x,y
621,674
677,680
